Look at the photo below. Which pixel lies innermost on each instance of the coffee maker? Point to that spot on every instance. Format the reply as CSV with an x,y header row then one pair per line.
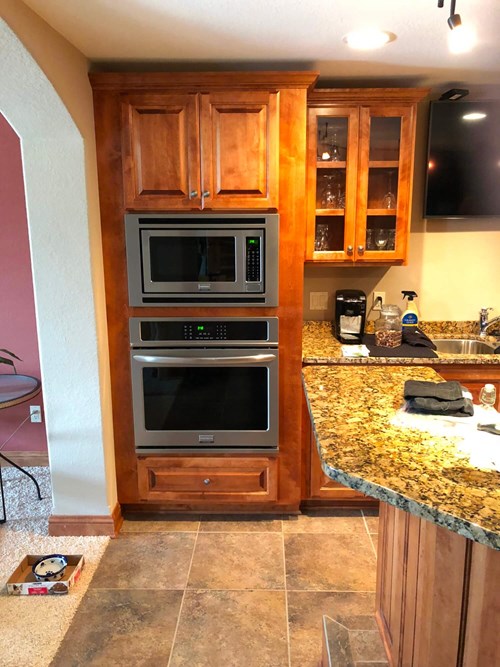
x,y
350,315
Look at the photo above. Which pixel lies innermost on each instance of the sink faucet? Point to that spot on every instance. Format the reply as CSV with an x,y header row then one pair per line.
x,y
484,324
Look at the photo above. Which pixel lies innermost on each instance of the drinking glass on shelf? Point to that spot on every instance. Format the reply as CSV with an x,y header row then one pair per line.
x,y
380,238
334,149
329,196
389,200
321,238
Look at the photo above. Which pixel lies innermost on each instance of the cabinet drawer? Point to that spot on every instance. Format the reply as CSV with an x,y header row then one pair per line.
x,y
208,478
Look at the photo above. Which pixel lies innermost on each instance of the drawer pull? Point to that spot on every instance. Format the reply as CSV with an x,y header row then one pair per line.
x,y
206,481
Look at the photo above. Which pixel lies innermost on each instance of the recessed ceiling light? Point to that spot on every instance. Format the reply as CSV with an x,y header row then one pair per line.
x,y
368,38
474,115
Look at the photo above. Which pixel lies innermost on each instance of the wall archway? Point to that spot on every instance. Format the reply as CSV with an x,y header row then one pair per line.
x,y
73,375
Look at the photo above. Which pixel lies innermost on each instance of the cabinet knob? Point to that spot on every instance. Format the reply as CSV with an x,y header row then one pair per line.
x,y
349,249
193,193
361,249
205,193
206,481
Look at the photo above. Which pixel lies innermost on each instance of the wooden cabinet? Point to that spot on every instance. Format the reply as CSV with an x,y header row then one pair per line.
x,y
360,168
208,478
473,377
241,136
318,488
200,150
437,596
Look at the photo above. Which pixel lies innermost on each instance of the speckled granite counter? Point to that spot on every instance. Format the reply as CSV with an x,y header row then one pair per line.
x,y
423,474
319,346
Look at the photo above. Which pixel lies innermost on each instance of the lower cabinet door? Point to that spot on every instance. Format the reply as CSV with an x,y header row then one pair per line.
x,y
231,479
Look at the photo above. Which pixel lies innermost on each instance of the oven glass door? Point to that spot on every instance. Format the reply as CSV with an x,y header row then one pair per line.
x,y
205,398
192,260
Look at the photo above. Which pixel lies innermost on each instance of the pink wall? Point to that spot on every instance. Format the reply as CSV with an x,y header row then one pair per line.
x,y
17,307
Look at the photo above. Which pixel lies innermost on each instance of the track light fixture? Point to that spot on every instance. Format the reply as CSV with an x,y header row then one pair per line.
x,y
454,20
461,38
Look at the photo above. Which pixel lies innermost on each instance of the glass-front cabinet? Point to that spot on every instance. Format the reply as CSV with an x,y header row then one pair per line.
x,y
360,166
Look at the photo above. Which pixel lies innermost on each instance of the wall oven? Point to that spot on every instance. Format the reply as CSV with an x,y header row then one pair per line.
x,y
204,384
206,259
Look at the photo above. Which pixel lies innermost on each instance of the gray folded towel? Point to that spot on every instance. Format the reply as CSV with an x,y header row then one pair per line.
x,y
444,391
437,398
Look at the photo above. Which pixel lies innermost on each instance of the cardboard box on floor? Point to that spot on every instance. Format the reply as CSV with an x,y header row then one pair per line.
x,y
23,582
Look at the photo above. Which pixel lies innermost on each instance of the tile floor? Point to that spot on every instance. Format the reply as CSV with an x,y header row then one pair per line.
x,y
228,592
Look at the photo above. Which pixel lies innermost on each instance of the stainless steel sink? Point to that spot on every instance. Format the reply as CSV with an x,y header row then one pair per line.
x,y
463,346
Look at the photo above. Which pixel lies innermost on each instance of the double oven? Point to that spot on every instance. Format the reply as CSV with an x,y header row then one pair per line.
x,y
207,384
204,384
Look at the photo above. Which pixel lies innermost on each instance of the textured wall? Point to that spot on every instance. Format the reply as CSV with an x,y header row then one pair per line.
x,y
17,305
61,189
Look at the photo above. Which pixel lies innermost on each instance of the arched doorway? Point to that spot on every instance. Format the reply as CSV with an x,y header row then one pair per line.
x,y
74,372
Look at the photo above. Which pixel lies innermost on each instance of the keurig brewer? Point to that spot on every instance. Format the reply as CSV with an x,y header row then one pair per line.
x,y
350,314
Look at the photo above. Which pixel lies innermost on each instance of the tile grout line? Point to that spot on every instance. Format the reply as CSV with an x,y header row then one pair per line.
x,y
286,598
369,534
183,596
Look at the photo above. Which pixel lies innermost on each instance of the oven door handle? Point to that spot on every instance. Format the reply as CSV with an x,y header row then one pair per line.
x,y
205,361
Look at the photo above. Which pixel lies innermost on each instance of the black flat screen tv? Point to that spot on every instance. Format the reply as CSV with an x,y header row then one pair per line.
x,y
463,160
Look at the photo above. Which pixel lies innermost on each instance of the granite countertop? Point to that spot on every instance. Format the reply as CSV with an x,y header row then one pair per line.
x,y
426,475
319,346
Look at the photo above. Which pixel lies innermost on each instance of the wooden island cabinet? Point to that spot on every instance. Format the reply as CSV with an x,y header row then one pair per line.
x,y
202,142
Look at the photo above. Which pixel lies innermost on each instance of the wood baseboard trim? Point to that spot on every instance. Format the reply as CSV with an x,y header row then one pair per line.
x,y
87,525
27,459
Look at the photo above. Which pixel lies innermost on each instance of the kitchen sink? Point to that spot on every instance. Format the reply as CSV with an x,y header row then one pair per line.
x,y
463,346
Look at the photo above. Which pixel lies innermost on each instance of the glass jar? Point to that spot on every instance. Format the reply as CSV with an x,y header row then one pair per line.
x,y
388,328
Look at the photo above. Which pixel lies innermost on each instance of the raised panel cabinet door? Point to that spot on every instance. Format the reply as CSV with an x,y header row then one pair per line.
x,y
386,147
161,155
239,148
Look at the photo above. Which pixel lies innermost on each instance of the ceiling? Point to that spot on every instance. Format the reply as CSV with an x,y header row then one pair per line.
x,y
285,34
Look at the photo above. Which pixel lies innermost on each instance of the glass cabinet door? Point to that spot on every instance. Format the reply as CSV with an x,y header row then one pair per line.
x,y
384,182
332,183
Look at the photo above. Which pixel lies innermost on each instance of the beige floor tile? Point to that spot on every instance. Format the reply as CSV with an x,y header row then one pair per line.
x,y
372,524
154,560
305,613
161,526
241,524
326,521
117,628
232,629
234,561
367,645
340,562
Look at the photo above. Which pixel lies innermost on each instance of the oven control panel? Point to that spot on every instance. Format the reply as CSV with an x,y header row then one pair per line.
x,y
167,332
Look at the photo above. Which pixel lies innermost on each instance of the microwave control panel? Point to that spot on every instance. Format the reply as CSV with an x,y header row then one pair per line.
x,y
253,259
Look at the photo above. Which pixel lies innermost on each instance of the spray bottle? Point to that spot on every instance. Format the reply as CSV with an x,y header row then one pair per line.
x,y
409,319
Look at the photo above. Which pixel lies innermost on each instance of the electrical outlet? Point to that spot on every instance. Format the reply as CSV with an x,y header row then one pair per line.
x,y
318,300
377,305
36,414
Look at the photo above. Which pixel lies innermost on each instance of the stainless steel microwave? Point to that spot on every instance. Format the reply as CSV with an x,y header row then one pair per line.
x,y
206,259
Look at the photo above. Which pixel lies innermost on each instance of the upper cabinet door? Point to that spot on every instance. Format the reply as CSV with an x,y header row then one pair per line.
x,y
384,184
161,151
239,149
331,183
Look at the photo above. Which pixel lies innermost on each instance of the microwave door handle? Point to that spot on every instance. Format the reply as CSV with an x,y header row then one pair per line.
x,y
204,361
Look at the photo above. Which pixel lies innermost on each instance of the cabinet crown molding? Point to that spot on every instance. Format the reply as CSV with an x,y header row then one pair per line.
x,y
201,81
321,96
